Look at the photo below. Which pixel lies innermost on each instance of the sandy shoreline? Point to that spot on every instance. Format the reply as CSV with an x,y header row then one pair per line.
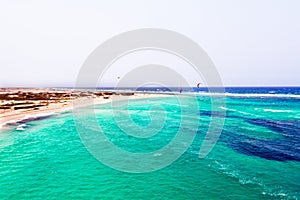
x,y
18,105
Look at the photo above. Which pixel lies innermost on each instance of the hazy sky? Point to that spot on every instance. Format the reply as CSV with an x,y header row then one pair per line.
x,y
251,42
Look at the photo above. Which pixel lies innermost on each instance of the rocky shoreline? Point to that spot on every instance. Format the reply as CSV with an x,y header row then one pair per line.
x,y
28,99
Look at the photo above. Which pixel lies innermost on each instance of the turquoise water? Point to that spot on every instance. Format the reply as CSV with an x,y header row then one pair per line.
x,y
256,157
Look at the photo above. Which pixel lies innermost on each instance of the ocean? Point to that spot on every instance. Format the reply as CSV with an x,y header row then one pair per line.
x,y
257,155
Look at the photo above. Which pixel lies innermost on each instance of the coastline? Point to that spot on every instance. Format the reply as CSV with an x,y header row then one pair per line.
x,y
18,105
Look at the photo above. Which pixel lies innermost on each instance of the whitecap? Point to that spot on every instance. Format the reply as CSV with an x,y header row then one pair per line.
x,y
21,127
277,111
238,111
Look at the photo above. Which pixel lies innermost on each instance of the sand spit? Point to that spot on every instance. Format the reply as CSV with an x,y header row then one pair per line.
x,y
19,104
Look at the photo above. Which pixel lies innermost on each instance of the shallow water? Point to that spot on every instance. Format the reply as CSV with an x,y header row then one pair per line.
x,y
256,157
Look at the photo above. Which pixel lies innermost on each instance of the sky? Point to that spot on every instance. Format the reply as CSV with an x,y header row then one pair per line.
x,y
251,42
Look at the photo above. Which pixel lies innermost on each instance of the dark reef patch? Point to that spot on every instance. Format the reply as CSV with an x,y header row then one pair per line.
x,y
271,149
286,148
